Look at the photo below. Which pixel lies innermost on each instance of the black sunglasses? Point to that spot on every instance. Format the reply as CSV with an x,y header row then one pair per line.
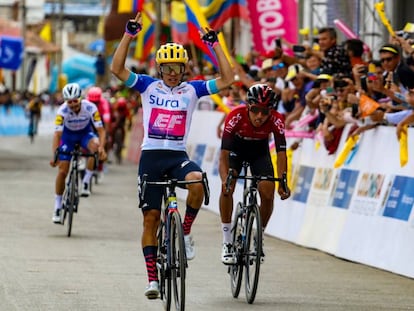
x,y
340,89
256,109
387,59
176,68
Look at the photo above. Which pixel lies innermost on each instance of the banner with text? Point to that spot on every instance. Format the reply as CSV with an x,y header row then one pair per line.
x,y
271,19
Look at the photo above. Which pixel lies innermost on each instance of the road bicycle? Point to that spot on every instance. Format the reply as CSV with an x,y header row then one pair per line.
x,y
119,137
247,233
171,256
70,197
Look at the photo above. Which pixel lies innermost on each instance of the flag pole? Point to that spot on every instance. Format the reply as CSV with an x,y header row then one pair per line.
x,y
158,12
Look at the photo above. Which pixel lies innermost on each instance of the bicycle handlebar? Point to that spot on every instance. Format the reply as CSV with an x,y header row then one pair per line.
x,y
256,178
171,183
77,152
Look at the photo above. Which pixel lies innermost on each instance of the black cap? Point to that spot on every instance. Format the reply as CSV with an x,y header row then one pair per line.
x,y
390,48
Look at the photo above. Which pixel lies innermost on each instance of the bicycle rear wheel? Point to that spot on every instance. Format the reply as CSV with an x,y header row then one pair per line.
x,y
71,202
163,271
178,261
253,252
118,144
236,271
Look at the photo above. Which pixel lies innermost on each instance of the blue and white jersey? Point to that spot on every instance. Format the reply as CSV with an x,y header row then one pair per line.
x,y
66,119
167,111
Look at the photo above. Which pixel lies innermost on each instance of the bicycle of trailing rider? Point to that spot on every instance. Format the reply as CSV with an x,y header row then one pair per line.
x,y
171,257
70,197
247,233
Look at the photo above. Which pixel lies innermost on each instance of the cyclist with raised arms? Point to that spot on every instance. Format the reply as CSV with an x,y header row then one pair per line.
x,y
246,134
73,125
168,104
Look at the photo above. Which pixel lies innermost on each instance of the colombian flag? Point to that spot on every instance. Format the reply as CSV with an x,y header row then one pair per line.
x,y
145,40
130,6
219,11
179,23
195,22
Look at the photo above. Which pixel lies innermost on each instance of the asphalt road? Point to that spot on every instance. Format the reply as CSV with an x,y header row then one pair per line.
x,y
101,266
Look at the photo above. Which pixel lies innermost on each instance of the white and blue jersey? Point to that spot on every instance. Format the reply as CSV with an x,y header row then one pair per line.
x,y
167,111
67,120
77,128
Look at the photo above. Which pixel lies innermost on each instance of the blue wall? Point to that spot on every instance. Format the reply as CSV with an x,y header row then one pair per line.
x,y
13,122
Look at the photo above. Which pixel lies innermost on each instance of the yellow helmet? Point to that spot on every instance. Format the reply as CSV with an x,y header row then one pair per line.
x,y
171,53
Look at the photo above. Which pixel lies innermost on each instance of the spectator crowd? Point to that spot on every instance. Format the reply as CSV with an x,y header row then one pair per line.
x,y
325,86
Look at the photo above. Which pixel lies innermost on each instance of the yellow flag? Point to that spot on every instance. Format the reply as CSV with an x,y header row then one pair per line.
x,y
219,102
403,147
46,32
289,156
349,144
125,6
380,7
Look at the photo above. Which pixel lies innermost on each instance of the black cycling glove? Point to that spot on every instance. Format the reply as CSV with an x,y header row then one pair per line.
x,y
132,28
210,38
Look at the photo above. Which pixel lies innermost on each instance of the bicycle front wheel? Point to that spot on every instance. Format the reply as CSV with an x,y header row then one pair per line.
x,y
178,261
163,271
71,202
236,270
253,252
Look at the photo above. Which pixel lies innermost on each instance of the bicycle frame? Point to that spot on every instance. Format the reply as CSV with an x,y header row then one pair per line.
x,y
70,199
247,233
172,261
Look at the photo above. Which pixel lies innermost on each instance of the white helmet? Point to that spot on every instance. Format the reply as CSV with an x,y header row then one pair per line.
x,y
71,91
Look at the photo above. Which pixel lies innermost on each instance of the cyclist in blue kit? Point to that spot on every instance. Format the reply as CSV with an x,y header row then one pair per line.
x,y
75,121
168,104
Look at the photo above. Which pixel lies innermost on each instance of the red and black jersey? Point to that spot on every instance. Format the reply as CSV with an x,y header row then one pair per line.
x,y
239,134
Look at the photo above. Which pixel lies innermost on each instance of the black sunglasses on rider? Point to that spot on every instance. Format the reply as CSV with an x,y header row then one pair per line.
x,y
169,68
256,109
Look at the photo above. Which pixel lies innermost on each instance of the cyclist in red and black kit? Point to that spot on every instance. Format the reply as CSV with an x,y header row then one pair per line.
x,y
246,138
94,95
121,118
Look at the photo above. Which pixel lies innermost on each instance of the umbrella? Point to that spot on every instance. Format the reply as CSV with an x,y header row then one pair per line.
x,y
97,45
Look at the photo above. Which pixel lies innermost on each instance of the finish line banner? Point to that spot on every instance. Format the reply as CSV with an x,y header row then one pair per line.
x,y
271,19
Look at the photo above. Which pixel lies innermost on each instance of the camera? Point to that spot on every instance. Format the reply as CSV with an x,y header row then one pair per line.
x,y
355,110
363,70
402,34
298,48
364,84
278,43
